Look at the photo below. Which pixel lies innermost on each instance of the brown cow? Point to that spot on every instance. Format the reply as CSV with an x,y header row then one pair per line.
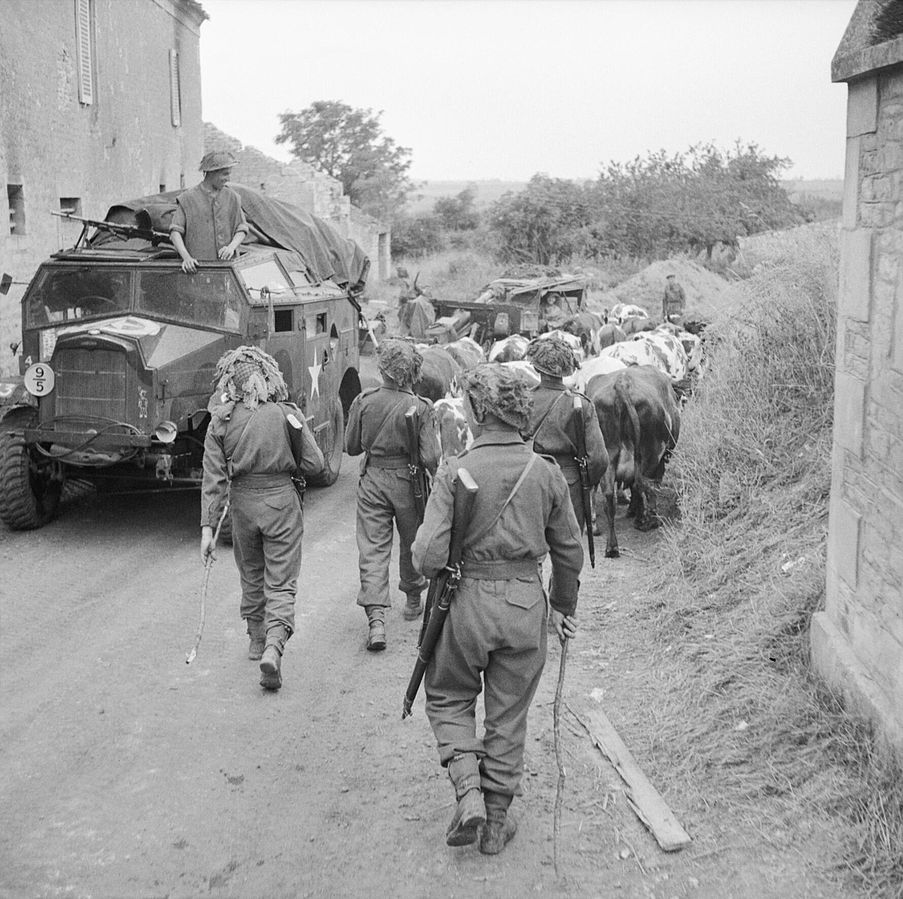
x,y
609,335
438,374
640,422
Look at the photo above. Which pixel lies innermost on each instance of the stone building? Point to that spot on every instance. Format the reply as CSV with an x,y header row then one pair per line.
x,y
857,642
299,183
99,100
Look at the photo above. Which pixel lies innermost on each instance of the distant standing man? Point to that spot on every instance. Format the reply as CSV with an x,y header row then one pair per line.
x,y
255,443
495,635
209,223
376,428
421,314
674,302
552,419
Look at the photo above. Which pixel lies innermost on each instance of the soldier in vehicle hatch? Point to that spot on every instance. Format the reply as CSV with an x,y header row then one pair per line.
x,y
551,422
495,636
255,443
209,223
376,427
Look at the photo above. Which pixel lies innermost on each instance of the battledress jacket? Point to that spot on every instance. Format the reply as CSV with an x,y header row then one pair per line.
x,y
256,442
208,220
539,520
550,423
376,426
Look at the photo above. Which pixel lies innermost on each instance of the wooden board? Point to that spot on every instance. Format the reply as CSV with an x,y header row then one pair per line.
x,y
644,799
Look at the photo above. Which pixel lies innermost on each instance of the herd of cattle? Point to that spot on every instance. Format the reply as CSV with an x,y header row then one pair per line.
x,y
633,371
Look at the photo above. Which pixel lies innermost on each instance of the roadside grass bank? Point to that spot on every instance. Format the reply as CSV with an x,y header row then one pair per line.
x,y
746,724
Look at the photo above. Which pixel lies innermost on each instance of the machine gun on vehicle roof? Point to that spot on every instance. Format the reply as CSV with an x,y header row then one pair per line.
x,y
120,229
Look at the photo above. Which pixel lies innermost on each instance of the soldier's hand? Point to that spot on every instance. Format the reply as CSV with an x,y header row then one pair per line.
x,y
565,625
190,265
226,252
207,548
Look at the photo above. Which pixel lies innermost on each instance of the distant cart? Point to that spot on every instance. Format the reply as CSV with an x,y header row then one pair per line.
x,y
505,306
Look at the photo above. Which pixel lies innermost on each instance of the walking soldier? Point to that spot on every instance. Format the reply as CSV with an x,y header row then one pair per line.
x,y
378,428
496,625
255,444
552,424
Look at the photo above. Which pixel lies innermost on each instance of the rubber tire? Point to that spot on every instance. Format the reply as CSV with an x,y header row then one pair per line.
x,y
332,457
26,501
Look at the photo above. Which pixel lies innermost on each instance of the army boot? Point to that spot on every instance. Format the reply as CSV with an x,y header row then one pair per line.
x,y
258,638
413,607
376,638
271,663
500,827
470,813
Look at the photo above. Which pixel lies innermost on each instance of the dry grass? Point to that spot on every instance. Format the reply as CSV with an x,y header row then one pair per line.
x,y
744,570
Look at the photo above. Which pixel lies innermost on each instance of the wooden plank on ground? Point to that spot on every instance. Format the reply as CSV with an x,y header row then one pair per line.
x,y
644,799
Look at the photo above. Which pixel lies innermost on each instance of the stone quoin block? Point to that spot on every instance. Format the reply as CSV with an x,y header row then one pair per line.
x,y
849,412
855,274
862,107
844,527
851,184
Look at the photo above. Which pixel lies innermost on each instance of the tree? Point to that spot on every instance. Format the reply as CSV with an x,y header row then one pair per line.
x,y
458,213
541,223
349,145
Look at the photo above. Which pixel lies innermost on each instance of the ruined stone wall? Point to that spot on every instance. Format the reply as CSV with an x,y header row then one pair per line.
x,y
121,145
858,641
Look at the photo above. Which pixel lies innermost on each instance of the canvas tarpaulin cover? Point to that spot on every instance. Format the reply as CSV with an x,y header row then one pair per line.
x,y
274,223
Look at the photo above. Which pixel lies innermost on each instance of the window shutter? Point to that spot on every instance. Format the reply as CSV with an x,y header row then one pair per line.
x,y
83,44
175,88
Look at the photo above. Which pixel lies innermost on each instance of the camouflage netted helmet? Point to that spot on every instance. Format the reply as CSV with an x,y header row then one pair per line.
x,y
216,160
552,356
398,359
249,375
492,387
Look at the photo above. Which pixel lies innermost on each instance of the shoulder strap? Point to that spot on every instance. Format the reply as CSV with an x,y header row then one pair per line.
x,y
498,515
388,417
237,444
545,415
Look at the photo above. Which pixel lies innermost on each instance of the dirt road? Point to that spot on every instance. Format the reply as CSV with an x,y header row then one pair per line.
x,y
126,772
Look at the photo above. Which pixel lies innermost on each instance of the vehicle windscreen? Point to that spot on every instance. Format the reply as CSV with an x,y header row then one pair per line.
x,y
207,298
65,295
266,274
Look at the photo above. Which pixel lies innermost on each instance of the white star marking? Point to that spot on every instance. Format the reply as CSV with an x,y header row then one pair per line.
x,y
314,370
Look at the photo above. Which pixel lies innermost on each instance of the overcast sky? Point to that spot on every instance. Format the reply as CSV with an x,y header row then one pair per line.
x,y
481,89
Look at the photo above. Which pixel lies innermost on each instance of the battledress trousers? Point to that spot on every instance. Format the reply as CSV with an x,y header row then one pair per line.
x,y
252,448
552,427
376,427
494,638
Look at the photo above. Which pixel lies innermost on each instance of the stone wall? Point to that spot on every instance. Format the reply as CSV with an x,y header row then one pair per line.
x,y
301,184
857,641
57,148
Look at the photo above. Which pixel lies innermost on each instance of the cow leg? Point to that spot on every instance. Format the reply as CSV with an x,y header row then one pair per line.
x,y
608,501
634,507
646,519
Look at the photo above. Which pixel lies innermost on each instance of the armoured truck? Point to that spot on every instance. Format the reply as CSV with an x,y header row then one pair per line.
x,y
119,349
514,305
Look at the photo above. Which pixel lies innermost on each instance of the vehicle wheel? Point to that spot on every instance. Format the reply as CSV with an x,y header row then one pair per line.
x,y
30,488
332,453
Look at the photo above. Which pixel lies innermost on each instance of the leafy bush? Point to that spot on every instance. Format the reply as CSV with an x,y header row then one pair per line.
x,y
416,236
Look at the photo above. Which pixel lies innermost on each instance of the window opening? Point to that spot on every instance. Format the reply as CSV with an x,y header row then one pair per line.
x,y
175,89
15,195
282,320
84,34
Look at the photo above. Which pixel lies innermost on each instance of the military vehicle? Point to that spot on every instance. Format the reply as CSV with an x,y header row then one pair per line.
x,y
119,348
514,305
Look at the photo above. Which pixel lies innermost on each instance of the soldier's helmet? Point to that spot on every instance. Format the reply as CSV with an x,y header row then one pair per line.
x,y
398,359
249,375
552,356
491,387
216,160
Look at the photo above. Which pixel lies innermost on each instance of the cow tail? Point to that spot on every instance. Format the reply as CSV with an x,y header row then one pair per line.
x,y
626,406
